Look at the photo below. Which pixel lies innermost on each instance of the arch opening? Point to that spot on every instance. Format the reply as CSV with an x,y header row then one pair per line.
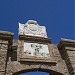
x,y
35,73
50,72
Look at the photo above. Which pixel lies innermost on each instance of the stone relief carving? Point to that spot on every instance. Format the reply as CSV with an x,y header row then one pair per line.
x,y
32,28
35,49
60,62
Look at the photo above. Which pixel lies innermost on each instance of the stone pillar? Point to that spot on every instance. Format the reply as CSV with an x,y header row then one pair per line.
x,y
5,41
67,50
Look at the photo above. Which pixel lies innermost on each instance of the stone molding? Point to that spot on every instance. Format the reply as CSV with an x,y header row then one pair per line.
x,y
66,42
34,39
67,50
5,35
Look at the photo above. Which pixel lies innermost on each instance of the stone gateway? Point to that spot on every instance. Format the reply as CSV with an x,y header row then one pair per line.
x,y
33,51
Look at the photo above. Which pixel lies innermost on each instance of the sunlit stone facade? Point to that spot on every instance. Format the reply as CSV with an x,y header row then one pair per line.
x,y
33,51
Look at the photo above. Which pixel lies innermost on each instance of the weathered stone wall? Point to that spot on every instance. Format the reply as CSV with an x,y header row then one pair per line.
x,y
67,50
5,41
54,63
13,62
3,55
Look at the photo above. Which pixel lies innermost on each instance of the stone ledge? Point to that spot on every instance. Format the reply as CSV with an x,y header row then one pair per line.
x,y
6,33
66,42
44,60
2,70
47,62
33,39
70,48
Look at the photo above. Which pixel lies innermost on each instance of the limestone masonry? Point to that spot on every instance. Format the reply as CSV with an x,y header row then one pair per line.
x,y
33,51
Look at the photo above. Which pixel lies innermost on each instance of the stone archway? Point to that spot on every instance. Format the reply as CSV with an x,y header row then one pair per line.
x,y
51,72
15,60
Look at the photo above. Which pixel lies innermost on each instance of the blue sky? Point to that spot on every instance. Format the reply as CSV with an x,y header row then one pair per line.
x,y
36,73
56,15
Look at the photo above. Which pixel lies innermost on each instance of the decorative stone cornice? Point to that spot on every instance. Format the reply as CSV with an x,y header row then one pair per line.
x,y
32,28
34,39
5,35
38,59
66,42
